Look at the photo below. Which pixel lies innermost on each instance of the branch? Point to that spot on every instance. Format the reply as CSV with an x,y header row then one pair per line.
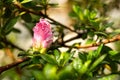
x,y
66,27
9,66
39,13
15,46
11,44
73,38
105,41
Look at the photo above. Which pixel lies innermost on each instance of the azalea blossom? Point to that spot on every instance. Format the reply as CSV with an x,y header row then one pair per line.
x,y
43,36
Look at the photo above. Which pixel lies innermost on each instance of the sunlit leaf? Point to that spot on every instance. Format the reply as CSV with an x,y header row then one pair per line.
x,y
89,41
64,58
77,64
90,55
50,71
117,30
76,8
85,67
93,14
112,53
86,13
26,1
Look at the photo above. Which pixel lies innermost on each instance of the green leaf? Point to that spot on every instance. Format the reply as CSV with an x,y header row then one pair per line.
x,y
67,73
109,24
49,58
64,58
50,72
83,56
91,34
36,52
84,36
112,53
106,49
38,75
93,14
36,59
76,9
57,54
8,27
98,61
101,34
114,33
89,41
117,31
85,67
77,64
90,55
26,17
73,15
25,1
79,12
16,30
86,13
98,51
22,53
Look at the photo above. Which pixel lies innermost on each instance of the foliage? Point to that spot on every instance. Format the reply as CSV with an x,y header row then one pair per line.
x,y
90,24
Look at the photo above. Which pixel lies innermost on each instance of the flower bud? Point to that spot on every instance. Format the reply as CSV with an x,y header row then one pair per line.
x,y
43,36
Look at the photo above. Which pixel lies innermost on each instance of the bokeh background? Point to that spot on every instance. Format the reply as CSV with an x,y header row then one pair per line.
x,y
60,13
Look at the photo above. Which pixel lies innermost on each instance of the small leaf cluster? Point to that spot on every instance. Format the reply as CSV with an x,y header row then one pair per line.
x,y
56,65
90,22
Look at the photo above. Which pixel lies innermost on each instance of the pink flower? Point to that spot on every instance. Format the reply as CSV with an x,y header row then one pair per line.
x,y
42,37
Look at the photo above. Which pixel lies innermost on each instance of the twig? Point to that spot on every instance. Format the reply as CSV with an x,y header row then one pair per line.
x,y
6,67
11,44
19,6
58,23
16,46
73,38
105,41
